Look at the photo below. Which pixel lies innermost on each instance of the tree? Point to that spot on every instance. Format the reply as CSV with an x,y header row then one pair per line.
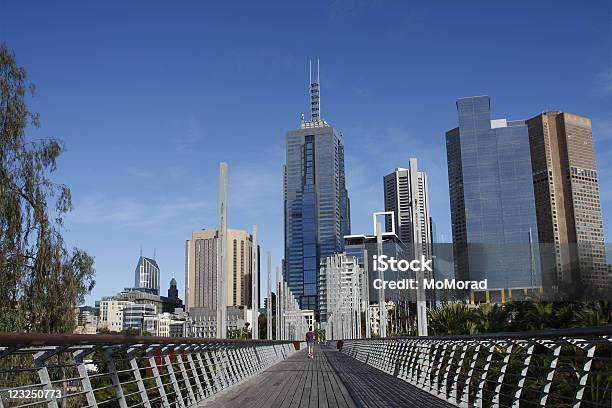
x,y
262,322
490,318
247,333
451,319
41,281
540,315
593,314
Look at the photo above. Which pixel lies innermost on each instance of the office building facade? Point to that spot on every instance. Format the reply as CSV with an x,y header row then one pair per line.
x,y
111,313
201,265
134,315
405,192
315,199
567,199
146,275
202,321
491,196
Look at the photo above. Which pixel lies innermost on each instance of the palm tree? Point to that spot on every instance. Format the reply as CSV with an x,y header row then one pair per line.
x,y
490,318
597,314
540,315
451,319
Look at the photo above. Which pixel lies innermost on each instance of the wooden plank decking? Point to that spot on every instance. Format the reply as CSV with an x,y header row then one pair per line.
x,y
330,380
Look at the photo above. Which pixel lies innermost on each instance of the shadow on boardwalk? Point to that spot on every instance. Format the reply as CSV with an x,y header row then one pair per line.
x,y
330,380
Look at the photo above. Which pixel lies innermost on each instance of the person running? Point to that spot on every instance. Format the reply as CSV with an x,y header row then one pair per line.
x,y
310,340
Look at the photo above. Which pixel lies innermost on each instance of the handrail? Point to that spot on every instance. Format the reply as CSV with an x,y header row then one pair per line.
x,y
40,339
548,333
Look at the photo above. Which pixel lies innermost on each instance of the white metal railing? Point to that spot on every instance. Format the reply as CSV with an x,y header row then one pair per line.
x,y
558,368
123,371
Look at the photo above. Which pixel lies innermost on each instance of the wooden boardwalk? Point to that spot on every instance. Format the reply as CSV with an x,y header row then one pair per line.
x,y
330,380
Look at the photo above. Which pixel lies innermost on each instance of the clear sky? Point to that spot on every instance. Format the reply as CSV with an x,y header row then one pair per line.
x,y
150,96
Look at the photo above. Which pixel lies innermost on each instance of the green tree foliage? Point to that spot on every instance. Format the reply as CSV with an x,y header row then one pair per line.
x,y
262,322
41,281
459,318
263,326
451,319
490,318
597,314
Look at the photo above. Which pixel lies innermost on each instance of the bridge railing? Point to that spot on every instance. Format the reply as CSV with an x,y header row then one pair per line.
x,y
125,371
569,368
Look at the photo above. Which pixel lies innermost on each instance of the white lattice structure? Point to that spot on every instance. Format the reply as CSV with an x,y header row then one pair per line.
x,y
292,322
346,289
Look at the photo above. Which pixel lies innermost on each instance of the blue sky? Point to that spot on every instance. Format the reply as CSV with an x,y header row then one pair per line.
x,y
149,97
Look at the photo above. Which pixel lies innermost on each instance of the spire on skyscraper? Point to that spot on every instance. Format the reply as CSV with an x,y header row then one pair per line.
x,y
315,101
315,96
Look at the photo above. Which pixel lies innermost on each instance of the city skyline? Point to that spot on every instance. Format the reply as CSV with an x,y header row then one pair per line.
x,y
101,185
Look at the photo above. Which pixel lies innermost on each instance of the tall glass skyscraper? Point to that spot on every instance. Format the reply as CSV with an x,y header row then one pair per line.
x,y
492,202
316,201
146,275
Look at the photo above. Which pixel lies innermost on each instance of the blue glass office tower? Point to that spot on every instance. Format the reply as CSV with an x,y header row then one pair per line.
x,y
316,201
492,201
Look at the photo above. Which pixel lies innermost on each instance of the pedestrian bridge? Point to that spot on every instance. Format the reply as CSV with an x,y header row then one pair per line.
x,y
329,380
556,369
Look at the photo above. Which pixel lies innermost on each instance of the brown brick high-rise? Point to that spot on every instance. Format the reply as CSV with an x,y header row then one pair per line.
x,y
567,199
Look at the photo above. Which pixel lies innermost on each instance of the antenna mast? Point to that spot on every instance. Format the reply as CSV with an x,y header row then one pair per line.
x,y
314,95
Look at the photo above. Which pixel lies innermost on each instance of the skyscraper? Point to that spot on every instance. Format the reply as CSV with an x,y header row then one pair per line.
x,y
201,253
567,199
146,275
406,195
315,198
491,196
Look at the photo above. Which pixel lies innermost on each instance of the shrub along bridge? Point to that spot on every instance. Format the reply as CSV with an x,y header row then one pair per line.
x,y
569,368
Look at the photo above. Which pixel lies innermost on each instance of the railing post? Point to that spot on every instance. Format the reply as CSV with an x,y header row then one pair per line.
x,y
179,359
215,371
112,369
224,365
204,371
425,378
175,384
483,378
517,395
408,375
502,373
43,374
231,373
402,348
448,370
468,381
454,394
85,382
258,363
196,377
439,376
584,372
247,357
131,353
239,369
551,369
158,380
